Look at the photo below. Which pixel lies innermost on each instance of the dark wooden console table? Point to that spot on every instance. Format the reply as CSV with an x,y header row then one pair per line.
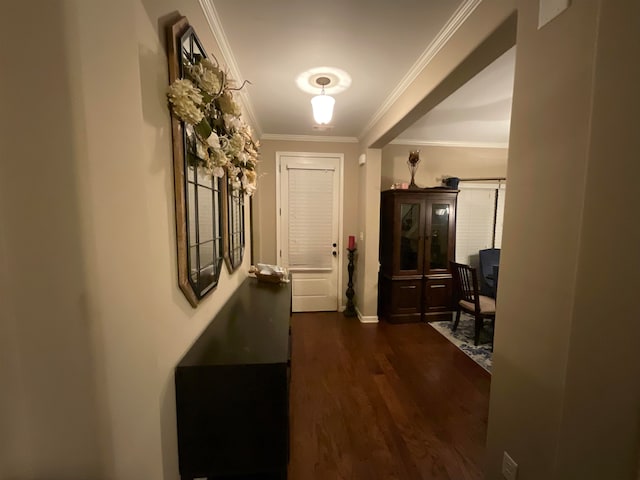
x,y
232,389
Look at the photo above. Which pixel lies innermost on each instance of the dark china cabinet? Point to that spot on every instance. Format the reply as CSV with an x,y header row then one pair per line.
x,y
417,241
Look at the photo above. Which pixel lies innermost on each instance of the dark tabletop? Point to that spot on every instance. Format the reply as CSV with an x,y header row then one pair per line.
x,y
251,328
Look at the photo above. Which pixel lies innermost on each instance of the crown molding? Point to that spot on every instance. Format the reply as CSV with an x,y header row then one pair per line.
x,y
308,138
215,25
447,143
457,19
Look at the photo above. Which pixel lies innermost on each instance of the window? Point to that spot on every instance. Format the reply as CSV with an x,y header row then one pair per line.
x,y
480,212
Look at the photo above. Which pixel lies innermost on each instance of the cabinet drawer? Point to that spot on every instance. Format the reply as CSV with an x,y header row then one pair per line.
x,y
401,300
437,295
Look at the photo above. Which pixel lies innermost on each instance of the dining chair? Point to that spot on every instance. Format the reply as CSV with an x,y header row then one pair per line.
x,y
487,259
468,298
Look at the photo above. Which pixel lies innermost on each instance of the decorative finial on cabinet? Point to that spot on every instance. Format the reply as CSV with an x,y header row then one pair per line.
x,y
414,160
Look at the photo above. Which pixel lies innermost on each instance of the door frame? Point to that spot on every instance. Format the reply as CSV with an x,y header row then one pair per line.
x,y
340,156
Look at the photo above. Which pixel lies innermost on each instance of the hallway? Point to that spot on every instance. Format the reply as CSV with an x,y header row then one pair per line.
x,y
380,401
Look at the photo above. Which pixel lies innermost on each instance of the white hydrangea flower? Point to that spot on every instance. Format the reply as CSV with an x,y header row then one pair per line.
x,y
242,158
218,157
217,172
228,104
249,182
201,150
186,100
251,176
232,122
250,190
234,171
207,76
236,144
214,140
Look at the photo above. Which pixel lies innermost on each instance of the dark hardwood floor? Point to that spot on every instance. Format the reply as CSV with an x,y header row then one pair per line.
x,y
380,401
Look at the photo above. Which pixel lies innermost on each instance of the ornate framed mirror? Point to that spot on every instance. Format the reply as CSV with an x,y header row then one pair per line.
x,y
198,193
234,233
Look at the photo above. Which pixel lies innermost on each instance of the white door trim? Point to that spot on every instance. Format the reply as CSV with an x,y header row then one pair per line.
x,y
341,256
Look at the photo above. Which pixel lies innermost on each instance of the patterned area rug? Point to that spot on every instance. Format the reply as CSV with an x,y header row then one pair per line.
x,y
463,339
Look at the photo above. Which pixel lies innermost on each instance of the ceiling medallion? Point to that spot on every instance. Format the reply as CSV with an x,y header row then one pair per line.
x,y
339,80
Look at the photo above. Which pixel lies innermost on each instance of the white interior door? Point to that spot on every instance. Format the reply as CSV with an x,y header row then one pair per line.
x,y
309,228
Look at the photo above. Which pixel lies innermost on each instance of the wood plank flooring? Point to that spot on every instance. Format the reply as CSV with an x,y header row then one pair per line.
x,y
380,401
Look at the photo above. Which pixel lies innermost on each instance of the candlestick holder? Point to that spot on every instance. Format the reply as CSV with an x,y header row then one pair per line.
x,y
350,310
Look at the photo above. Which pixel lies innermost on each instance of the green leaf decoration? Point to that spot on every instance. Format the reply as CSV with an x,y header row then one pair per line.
x,y
203,129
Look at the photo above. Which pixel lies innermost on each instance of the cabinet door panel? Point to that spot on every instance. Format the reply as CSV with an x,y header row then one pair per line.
x,y
409,228
437,295
440,244
405,301
409,236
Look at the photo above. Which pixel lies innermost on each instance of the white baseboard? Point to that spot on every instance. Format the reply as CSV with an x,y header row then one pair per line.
x,y
366,319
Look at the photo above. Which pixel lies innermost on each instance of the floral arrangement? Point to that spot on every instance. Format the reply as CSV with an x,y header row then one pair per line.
x,y
217,136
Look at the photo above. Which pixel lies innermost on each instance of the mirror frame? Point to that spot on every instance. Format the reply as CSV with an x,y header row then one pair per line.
x,y
193,291
230,233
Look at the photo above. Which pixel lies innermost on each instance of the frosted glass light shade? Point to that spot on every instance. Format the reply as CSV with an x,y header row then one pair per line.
x,y
322,108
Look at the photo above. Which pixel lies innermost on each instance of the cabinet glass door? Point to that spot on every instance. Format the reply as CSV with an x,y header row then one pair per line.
x,y
410,254
439,236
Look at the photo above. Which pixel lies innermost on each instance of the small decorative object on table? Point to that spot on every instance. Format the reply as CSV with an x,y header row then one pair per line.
x,y
350,310
414,160
270,273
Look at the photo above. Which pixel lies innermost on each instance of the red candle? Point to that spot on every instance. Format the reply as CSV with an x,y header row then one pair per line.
x,y
352,242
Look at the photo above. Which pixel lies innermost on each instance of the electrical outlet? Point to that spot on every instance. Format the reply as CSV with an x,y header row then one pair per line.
x,y
509,467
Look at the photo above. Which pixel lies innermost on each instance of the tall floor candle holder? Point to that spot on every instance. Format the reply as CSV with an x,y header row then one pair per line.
x,y
350,310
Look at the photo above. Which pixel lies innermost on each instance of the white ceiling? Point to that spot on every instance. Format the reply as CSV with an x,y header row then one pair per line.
x,y
379,43
478,113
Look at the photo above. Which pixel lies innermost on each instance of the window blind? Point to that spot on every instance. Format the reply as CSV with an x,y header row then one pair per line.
x,y
474,224
310,206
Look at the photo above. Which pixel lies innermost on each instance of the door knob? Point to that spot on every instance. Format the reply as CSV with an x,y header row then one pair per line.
x,y
334,253
335,245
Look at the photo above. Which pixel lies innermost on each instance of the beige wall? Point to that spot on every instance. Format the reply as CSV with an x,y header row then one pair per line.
x,y
439,161
264,203
48,405
369,236
541,235
565,388
601,414
93,322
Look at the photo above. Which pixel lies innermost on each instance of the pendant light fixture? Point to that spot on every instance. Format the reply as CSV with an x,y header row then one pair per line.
x,y
322,104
